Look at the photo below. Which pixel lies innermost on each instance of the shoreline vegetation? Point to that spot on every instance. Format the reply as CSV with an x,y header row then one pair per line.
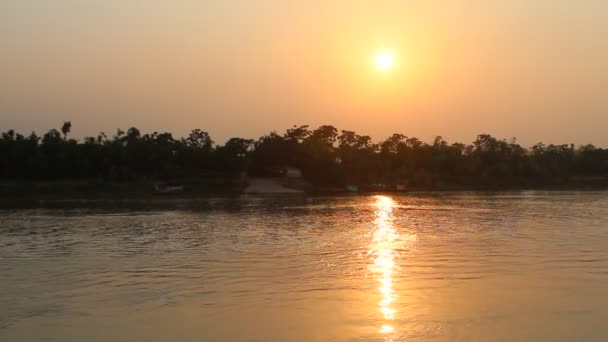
x,y
301,160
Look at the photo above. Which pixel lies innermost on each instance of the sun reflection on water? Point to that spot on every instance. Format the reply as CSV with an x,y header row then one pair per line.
x,y
382,250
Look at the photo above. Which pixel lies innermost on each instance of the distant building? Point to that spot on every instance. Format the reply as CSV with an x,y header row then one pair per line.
x,y
292,172
160,188
352,188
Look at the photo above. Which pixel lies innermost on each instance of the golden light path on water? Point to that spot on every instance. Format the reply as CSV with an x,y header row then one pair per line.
x,y
383,250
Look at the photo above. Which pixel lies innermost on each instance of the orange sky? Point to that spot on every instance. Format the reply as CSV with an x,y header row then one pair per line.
x,y
536,70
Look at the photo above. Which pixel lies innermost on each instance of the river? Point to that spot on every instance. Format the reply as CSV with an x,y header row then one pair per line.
x,y
513,266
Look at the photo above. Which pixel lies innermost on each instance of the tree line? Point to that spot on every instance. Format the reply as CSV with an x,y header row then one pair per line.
x,y
325,155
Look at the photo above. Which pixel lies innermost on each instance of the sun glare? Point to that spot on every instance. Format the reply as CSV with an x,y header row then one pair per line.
x,y
384,61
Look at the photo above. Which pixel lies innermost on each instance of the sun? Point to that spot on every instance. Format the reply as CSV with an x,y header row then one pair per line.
x,y
384,60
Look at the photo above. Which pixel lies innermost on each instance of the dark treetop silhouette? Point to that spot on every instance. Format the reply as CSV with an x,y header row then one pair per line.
x,y
327,158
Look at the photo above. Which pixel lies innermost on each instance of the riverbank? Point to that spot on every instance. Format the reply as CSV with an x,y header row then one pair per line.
x,y
90,189
101,190
269,186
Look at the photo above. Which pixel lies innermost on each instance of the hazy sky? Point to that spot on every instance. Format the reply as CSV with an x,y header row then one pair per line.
x,y
537,69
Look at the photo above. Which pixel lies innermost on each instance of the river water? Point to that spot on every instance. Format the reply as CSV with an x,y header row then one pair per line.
x,y
521,266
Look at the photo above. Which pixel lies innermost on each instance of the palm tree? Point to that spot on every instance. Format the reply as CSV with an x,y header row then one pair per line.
x,y
66,128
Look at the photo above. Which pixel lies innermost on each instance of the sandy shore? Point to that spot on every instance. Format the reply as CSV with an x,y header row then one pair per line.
x,y
268,186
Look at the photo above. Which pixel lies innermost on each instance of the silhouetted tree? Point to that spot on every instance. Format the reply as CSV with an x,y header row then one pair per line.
x,y
326,157
66,128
